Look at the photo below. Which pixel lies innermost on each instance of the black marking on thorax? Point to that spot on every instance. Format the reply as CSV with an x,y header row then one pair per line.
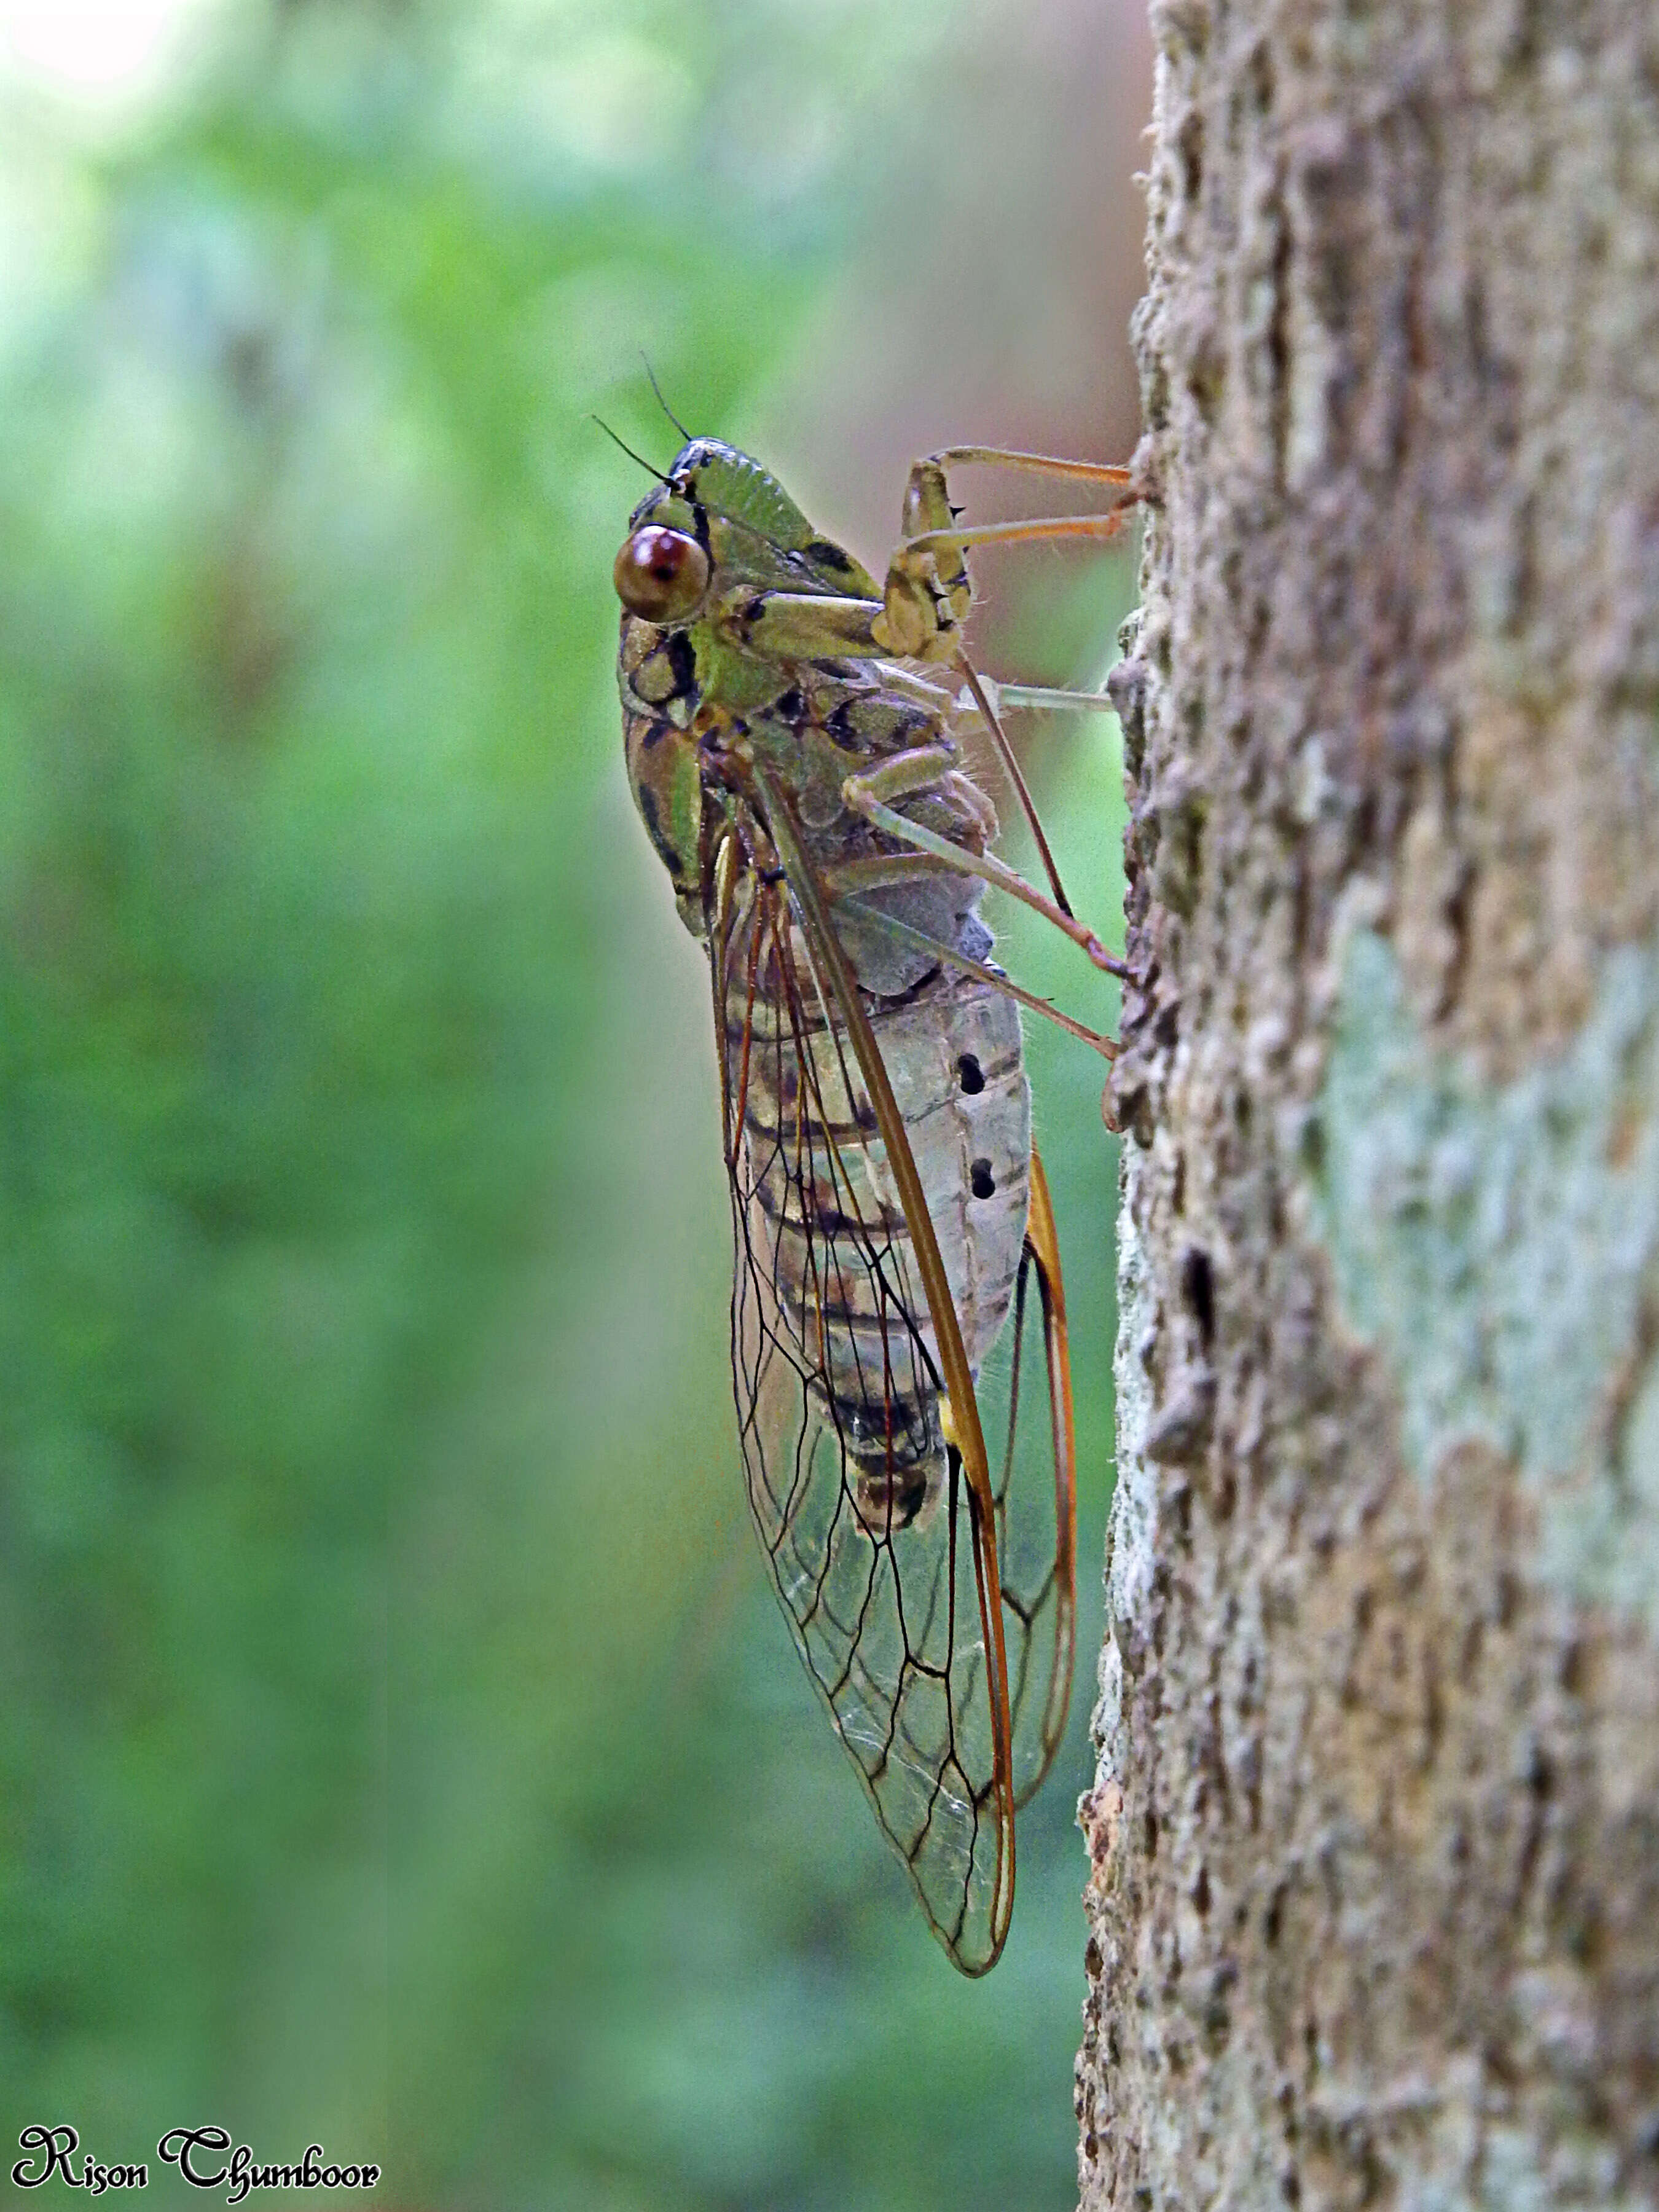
x,y
828,555
666,676
669,854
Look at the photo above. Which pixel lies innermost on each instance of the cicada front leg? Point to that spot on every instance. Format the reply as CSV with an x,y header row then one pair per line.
x,y
926,602
928,590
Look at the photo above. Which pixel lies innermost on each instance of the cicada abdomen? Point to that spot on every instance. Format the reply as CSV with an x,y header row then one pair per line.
x,y
834,1270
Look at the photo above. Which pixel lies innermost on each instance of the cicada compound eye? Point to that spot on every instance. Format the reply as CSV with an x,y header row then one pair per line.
x,y
660,573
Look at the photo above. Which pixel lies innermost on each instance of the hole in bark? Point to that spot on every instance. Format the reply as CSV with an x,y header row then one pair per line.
x,y
1313,1146
1457,911
1508,1599
1151,1835
1262,78
1198,1290
1189,143
1201,1893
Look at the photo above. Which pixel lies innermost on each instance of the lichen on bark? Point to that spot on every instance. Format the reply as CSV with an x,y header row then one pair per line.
x,y
1498,1243
1374,1837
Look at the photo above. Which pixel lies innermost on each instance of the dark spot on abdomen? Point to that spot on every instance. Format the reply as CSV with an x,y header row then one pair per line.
x,y
983,1182
971,1074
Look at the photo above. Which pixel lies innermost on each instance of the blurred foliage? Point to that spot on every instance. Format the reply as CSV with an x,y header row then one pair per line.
x,y
398,1745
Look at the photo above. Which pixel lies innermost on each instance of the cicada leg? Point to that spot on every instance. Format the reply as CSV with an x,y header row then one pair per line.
x,y
926,602
879,873
1046,695
928,591
872,875
902,774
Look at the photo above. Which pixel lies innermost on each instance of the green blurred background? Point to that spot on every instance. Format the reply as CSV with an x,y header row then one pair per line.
x,y
399,1745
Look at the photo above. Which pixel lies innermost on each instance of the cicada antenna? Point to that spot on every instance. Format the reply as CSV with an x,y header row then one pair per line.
x,y
649,467
662,403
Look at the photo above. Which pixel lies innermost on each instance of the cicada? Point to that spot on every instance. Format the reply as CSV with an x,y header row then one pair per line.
x,y
794,735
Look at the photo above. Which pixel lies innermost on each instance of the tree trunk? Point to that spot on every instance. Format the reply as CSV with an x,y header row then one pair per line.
x,y
1375,1838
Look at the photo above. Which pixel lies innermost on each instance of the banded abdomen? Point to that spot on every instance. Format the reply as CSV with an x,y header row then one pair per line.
x,y
828,1240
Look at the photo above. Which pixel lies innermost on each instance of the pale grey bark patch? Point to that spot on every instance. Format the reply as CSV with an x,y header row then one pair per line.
x,y
1499,1240
1132,1535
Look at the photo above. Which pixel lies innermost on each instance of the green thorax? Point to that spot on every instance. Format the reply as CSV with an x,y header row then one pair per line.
x,y
811,722
756,540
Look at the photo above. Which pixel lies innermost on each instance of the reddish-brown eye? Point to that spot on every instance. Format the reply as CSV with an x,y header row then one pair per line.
x,y
661,574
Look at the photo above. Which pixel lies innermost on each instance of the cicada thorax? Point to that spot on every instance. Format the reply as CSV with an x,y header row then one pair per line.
x,y
843,1294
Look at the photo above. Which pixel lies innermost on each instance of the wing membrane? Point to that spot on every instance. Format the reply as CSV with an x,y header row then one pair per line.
x,y
838,1395
1025,1403
862,1487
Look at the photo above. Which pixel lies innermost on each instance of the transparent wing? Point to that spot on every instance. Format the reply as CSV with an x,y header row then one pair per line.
x,y
867,1517
888,1624
1025,1406
857,1494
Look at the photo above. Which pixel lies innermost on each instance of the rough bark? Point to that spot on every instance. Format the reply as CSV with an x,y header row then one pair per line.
x,y
1375,1838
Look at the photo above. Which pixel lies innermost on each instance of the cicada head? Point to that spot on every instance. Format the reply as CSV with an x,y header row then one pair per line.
x,y
718,521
